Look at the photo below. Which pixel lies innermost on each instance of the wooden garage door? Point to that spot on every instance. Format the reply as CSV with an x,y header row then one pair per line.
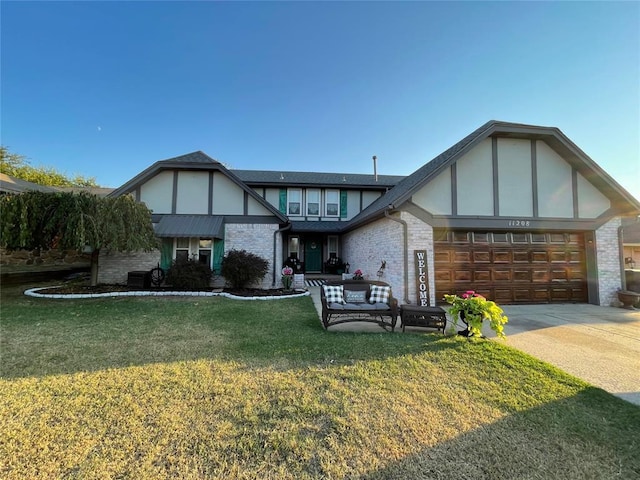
x,y
512,267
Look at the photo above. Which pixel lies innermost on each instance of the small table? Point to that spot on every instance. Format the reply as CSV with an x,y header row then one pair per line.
x,y
429,317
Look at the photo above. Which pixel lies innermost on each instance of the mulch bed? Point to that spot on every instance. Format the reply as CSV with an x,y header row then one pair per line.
x,y
240,292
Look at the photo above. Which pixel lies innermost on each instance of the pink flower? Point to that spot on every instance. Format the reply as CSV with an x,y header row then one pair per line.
x,y
287,271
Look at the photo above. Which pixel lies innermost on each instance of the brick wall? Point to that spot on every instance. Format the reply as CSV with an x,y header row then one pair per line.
x,y
44,257
114,266
366,247
258,239
608,262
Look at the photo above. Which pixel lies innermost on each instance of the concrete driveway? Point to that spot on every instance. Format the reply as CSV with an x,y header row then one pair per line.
x,y
600,345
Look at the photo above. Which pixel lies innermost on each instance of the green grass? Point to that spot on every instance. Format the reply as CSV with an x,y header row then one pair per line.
x,y
216,388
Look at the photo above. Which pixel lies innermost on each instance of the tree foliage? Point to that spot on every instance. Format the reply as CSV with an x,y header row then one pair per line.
x,y
17,166
74,220
68,220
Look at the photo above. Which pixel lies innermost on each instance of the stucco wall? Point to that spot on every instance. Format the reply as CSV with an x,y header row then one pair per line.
x,y
608,261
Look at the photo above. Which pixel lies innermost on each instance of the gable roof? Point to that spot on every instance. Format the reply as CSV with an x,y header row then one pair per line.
x,y
9,184
403,191
338,180
194,161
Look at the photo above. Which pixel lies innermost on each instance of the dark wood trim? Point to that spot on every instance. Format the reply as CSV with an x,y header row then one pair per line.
x,y
531,224
534,177
210,208
246,203
137,194
174,195
249,219
494,163
574,192
454,189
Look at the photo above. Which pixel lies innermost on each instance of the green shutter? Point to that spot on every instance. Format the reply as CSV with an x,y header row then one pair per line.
x,y
218,254
343,204
283,200
166,253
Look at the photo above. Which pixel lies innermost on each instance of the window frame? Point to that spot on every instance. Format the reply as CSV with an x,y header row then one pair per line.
x,y
299,202
317,194
327,203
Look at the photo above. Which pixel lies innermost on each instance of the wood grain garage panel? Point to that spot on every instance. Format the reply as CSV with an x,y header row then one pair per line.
x,y
512,267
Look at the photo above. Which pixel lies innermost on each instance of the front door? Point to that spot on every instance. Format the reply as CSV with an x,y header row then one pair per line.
x,y
313,254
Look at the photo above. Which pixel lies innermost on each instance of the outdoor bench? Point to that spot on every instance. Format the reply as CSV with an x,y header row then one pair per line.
x,y
358,301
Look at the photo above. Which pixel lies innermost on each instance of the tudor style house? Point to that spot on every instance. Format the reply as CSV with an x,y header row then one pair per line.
x,y
515,212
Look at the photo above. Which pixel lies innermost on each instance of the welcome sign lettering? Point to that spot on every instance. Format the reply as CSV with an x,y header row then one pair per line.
x,y
420,257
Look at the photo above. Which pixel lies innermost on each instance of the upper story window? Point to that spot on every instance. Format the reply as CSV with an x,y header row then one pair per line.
x,y
294,201
313,202
332,203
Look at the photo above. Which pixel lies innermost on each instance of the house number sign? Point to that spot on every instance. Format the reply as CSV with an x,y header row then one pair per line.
x,y
518,223
422,289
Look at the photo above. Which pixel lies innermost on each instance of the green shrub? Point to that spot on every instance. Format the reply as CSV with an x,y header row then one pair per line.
x,y
189,275
241,268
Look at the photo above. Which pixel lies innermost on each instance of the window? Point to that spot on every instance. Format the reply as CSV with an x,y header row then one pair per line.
x,y
294,201
332,246
294,247
332,203
313,202
205,251
182,249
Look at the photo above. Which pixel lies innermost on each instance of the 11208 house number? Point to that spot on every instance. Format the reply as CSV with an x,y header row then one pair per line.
x,y
519,223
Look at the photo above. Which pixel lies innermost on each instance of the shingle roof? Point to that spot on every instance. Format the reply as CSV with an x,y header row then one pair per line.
x,y
193,157
325,227
275,177
405,188
409,184
9,184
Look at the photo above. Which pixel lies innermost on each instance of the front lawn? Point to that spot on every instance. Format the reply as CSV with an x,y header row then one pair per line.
x,y
215,388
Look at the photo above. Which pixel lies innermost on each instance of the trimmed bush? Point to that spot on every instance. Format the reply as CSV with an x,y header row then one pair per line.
x,y
241,268
189,275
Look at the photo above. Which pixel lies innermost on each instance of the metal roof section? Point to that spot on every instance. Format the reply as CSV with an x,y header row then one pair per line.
x,y
204,226
338,180
402,192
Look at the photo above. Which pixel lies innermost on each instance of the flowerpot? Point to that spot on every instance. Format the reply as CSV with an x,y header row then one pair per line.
x,y
628,299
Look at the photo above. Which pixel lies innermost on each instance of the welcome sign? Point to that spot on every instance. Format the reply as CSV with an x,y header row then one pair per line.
x,y
422,288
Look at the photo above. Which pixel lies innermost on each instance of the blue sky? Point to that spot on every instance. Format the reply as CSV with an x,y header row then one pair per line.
x,y
105,89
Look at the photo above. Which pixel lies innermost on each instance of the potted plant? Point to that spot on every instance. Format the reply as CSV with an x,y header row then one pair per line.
x,y
287,277
357,275
472,308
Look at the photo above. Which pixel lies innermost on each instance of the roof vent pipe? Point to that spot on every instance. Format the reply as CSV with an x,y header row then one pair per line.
x,y
375,168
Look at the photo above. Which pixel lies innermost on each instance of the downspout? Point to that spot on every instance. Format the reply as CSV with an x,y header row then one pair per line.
x,y
275,241
405,251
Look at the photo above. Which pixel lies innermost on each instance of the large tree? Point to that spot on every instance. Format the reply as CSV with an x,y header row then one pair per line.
x,y
68,220
18,166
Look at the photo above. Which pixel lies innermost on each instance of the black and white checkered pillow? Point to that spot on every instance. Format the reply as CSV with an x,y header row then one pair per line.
x,y
333,293
379,294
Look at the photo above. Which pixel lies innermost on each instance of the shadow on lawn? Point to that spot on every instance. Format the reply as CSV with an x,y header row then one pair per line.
x,y
576,437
